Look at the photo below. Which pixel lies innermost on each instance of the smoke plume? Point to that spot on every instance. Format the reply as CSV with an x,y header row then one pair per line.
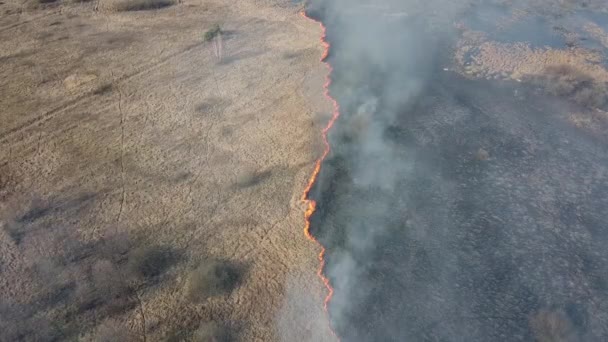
x,y
450,210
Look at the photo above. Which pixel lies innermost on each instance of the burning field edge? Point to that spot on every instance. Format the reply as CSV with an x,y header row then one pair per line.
x,y
310,203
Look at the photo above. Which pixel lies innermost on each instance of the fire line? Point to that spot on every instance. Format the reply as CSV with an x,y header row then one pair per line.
x,y
311,204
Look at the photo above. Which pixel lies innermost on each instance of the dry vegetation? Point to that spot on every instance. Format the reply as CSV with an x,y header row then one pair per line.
x,y
210,332
141,5
519,60
211,278
113,331
211,33
145,155
569,82
70,278
552,326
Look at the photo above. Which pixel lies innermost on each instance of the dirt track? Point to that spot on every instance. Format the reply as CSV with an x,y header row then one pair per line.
x,y
127,122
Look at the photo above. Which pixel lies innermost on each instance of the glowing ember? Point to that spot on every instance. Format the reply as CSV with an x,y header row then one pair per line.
x,y
311,203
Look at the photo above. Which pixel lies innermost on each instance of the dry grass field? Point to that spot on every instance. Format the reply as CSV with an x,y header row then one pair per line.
x,y
149,185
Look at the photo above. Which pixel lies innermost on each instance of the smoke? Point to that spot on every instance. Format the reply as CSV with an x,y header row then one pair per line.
x,y
425,239
384,55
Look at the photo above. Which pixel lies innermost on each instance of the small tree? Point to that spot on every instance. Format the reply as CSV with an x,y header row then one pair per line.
x,y
214,35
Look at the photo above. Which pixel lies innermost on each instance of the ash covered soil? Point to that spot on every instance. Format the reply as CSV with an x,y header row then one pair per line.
x,y
460,205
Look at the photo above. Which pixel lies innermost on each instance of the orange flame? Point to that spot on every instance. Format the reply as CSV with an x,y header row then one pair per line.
x,y
312,205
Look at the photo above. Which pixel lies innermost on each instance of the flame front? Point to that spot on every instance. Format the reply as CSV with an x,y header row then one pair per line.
x,y
311,204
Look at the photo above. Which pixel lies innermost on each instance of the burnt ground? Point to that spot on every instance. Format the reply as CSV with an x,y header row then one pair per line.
x,y
492,227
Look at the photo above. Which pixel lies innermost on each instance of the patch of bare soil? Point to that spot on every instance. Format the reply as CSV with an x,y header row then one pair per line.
x,y
150,178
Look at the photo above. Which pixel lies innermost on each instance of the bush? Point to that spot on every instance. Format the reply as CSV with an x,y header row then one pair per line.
x,y
141,5
249,177
552,326
213,32
112,331
568,82
148,262
210,332
210,279
19,324
108,280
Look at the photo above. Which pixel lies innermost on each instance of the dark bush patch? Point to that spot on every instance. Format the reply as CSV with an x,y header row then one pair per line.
x,y
18,324
250,177
151,261
552,326
212,278
211,105
103,89
37,209
142,5
569,82
210,332
15,231
211,33
113,331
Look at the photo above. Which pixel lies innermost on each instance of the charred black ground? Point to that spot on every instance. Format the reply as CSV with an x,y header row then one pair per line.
x,y
488,222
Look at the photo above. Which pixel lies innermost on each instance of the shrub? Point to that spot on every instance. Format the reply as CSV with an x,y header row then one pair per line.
x,y
551,326
105,87
569,82
107,279
213,32
249,177
210,279
141,5
148,262
210,332
112,331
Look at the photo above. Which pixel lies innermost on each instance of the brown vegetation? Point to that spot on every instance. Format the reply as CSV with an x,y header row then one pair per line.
x,y
552,326
141,5
100,121
213,32
211,278
247,177
571,83
210,332
71,278
112,331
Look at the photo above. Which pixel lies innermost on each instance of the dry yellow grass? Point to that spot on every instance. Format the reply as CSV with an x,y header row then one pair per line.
x,y
518,60
133,110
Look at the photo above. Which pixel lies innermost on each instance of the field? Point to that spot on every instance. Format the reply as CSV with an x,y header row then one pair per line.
x,y
151,174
